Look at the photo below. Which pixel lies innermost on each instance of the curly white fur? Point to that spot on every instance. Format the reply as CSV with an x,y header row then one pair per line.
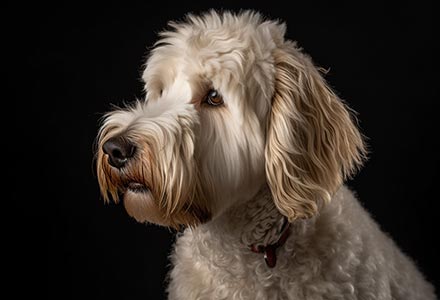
x,y
342,254
277,148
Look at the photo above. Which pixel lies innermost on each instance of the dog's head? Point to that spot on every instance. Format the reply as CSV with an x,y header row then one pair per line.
x,y
230,106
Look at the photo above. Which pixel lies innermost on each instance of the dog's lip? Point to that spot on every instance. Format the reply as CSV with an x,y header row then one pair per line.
x,y
137,187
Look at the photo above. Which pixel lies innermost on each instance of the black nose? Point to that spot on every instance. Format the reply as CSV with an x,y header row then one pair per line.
x,y
119,150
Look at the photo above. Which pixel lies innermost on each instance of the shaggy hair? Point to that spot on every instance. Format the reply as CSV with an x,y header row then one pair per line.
x,y
241,142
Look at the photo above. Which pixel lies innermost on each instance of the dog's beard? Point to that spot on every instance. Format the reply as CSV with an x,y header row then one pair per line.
x,y
141,205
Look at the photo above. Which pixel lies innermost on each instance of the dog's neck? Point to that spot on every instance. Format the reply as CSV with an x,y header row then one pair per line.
x,y
255,223
262,223
257,226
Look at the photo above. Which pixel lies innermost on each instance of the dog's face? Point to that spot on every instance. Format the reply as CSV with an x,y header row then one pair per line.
x,y
230,105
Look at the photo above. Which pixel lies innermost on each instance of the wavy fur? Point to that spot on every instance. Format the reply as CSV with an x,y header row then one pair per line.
x,y
312,143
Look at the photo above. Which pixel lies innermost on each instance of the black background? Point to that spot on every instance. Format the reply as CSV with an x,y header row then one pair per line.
x,y
67,63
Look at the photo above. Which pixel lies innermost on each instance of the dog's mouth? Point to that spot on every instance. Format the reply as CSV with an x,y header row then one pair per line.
x,y
136,187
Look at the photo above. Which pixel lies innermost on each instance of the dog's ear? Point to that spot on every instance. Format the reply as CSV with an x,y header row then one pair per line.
x,y
312,142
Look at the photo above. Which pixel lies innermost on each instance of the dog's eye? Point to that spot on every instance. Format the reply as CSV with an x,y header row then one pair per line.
x,y
214,98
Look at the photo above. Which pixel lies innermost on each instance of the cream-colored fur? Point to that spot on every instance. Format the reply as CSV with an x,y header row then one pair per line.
x,y
275,145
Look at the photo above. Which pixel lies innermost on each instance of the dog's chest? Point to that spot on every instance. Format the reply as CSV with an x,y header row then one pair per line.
x,y
204,265
215,260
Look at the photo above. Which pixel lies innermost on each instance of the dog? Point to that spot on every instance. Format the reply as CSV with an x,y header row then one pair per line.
x,y
242,145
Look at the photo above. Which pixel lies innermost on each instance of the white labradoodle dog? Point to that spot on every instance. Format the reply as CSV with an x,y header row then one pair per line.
x,y
241,142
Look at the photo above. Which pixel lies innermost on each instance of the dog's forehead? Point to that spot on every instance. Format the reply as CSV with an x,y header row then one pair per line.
x,y
209,45
201,55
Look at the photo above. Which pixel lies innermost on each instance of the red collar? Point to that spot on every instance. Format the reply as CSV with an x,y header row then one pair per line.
x,y
270,250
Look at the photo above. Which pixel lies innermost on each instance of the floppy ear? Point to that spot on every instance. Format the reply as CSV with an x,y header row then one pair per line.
x,y
312,143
